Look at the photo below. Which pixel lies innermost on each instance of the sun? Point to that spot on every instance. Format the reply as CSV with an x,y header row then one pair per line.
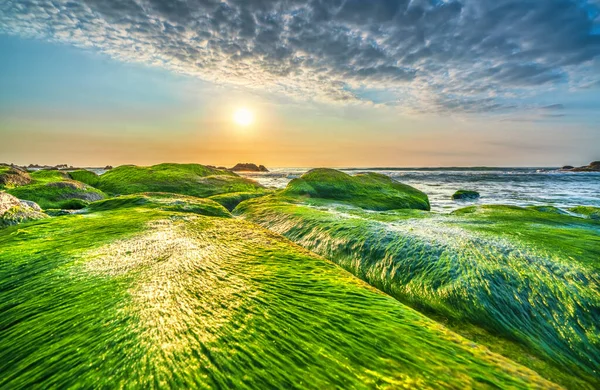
x,y
243,117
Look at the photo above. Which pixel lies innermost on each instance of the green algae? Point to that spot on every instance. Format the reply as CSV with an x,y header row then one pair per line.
x,y
85,176
140,297
372,191
186,179
587,211
525,282
231,200
465,195
53,189
19,214
163,201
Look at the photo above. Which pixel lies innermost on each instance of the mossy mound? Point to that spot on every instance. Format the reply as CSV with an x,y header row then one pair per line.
x,y
371,191
85,176
587,211
141,297
548,209
163,201
231,200
53,189
14,211
523,282
13,177
186,179
466,195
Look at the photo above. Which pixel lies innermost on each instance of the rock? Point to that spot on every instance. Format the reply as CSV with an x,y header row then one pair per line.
x,y
108,167
370,191
79,191
249,167
71,184
14,177
465,195
31,204
594,166
14,211
7,202
567,167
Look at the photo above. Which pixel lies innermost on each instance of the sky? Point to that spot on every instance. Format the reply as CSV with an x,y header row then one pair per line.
x,y
339,83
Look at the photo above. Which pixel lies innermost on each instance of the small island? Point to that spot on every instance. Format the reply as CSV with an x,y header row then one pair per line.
x,y
594,166
248,167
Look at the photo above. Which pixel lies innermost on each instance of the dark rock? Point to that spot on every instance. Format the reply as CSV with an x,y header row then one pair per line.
x,y
249,167
567,167
594,166
466,195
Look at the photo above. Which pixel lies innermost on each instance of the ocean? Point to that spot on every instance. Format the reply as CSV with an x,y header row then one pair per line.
x,y
509,186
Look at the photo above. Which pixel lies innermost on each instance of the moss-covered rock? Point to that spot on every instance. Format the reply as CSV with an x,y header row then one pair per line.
x,y
548,209
371,191
85,176
231,200
13,177
142,297
466,195
587,211
14,211
53,189
524,282
163,201
186,179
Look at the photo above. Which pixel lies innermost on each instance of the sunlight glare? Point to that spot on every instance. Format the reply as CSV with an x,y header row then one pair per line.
x,y
243,117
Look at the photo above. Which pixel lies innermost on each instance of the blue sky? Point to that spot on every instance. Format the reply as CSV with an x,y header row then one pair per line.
x,y
338,83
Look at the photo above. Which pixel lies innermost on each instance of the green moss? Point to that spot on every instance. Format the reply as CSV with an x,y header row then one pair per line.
x,y
370,191
13,177
142,297
163,201
20,214
587,211
53,189
548,209
85,176
527,279
187,179
231,200
465,195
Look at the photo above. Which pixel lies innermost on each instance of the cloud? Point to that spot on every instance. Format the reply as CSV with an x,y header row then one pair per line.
x,y
433,55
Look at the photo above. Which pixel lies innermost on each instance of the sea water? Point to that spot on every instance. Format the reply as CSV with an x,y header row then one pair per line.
x,y
509,186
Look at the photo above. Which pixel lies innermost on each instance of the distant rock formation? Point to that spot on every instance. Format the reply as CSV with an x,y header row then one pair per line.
x,y
248,167
594,166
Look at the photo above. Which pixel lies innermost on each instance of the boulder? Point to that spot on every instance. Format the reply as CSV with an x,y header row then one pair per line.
x,y
7,202
14,177
248,167
14,211
466,195
370,191
28,203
